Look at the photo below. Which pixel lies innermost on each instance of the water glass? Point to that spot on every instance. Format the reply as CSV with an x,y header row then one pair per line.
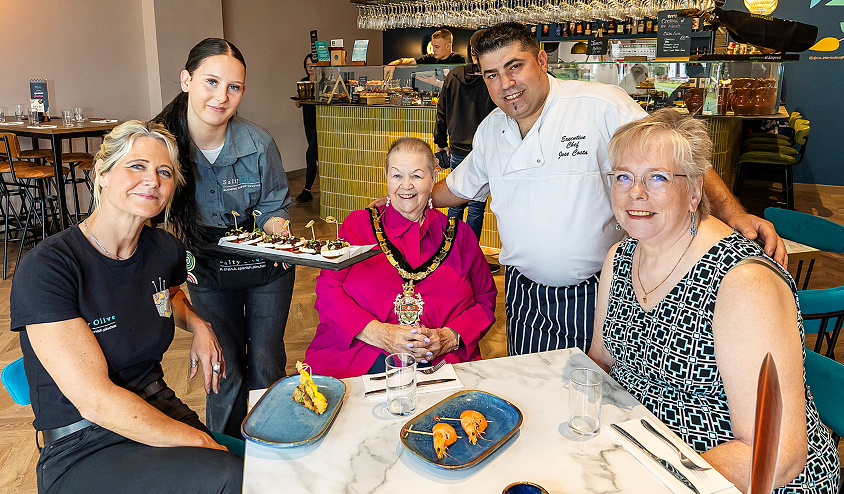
x,y
2,114
67,118
34,119
77,114
19,112
585,402
401,383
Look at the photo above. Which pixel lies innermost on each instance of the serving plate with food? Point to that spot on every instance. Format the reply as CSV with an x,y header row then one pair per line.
x,y
461,430
333,254
295,411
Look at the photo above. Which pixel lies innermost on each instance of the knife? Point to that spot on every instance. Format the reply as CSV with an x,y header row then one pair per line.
x,y
665,464
423,383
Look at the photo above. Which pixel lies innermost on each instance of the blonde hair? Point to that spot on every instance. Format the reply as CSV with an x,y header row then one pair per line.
x,y
443,34
680,138
118,143
412,145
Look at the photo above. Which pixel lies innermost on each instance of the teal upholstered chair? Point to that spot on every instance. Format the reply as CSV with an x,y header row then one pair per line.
x,y
807,229
825,378
823,313
14,378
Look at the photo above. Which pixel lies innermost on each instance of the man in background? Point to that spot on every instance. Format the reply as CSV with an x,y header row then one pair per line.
x,y
441,42
464,103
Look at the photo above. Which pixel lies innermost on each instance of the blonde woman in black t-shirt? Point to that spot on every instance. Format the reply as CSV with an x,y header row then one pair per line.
x,y
96,307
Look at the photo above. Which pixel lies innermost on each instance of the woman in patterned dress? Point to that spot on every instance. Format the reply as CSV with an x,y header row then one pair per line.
x,y
687,309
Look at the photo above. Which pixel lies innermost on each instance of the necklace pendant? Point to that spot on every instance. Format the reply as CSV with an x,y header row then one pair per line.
x,y
645,298
408,305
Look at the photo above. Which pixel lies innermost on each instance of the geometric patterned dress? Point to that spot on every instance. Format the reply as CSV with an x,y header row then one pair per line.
x,y
665,358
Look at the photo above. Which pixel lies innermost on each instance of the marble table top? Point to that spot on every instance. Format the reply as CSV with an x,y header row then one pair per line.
x,y
362,452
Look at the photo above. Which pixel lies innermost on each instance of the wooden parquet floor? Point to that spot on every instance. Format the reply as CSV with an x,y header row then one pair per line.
x,y
18,454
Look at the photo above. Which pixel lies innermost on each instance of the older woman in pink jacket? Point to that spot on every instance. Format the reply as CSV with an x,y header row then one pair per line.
x,y
358,323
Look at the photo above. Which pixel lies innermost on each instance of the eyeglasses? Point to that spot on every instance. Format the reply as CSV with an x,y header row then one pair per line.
x,y
654,181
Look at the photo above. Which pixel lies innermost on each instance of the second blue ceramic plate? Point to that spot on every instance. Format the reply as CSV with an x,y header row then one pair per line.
x,y
278,421
503,418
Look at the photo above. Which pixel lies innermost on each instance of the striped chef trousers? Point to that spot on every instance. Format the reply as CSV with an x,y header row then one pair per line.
x,y
542,318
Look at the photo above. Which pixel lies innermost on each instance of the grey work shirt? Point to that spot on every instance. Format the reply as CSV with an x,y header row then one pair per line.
x,y
246,176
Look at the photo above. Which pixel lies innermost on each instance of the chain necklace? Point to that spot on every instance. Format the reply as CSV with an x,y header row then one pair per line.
x,y
639,272
109,254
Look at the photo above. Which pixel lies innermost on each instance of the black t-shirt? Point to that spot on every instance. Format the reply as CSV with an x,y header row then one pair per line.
x,y
125,303
429,59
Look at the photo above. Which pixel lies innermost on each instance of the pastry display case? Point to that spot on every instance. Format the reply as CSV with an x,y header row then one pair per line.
x,y
707,88
387,85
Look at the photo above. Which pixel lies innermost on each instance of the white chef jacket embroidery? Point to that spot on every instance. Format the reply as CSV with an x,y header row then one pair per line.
x,y
549,193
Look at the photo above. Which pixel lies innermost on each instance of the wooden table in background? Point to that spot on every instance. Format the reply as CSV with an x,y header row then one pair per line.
x,y
55,135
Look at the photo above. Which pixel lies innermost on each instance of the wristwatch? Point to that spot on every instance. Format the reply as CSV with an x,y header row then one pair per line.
x,y
459,341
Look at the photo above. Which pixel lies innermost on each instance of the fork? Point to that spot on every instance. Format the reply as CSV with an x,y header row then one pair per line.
x,y
426,371
684,460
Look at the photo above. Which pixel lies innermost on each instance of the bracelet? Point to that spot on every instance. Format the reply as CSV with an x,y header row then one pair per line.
x,y
457,347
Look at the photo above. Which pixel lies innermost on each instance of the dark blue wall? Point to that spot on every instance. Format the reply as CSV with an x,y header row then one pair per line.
x,y
814,86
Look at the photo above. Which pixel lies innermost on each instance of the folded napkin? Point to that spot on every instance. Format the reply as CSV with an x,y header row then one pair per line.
x,y
707,482
11,123
446,372
105,120
41,127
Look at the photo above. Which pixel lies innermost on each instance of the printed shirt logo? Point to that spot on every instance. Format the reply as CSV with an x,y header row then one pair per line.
x,y
103,324
240,183
161,298
571,146
191,263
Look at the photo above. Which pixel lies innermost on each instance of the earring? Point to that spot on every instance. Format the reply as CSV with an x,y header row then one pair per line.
x,y
693,229
617,227
430,203
388,201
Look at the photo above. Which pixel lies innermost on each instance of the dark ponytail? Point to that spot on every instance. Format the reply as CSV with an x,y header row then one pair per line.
x,y
184,212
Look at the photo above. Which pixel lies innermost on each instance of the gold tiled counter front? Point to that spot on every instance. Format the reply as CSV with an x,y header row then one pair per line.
x,y
353,142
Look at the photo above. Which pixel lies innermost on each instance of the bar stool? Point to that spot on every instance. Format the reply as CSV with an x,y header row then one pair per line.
x,y
87,167
73,160
32,183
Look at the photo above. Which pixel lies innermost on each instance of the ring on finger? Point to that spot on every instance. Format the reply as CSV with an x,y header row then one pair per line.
x,y
193,363
216,368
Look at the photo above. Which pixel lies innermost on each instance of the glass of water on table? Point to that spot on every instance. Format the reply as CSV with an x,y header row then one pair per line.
x,y
585,401
401,383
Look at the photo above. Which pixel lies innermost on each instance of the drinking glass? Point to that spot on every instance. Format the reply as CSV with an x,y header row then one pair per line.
x,y
67,118
34,119
19,112
401,383
2,114
585,402
77,114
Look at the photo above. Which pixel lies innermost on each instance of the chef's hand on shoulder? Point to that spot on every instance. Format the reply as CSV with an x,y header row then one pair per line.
x,y
377,202
763,231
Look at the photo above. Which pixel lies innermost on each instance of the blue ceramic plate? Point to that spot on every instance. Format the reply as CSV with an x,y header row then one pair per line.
x,y
503,419
278,421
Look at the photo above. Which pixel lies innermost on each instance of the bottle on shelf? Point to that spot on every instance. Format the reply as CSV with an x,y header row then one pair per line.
x,y
580,28
572,28
640,26
611,27
588,29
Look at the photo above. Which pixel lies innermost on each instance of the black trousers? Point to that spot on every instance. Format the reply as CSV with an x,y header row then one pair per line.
x,y
311,157
97,460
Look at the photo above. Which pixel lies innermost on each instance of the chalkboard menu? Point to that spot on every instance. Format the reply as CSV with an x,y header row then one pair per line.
x,y
675,35
355,98
597,46
426,99
406,99
362,80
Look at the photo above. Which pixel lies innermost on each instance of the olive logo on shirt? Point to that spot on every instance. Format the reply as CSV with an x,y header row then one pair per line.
x,y
103,324
572,146
161,298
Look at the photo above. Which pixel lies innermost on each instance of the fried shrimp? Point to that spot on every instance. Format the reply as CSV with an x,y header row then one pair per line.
x,y
444,436
474,424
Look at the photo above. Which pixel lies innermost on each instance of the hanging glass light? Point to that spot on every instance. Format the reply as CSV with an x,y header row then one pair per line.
x,y
762,7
